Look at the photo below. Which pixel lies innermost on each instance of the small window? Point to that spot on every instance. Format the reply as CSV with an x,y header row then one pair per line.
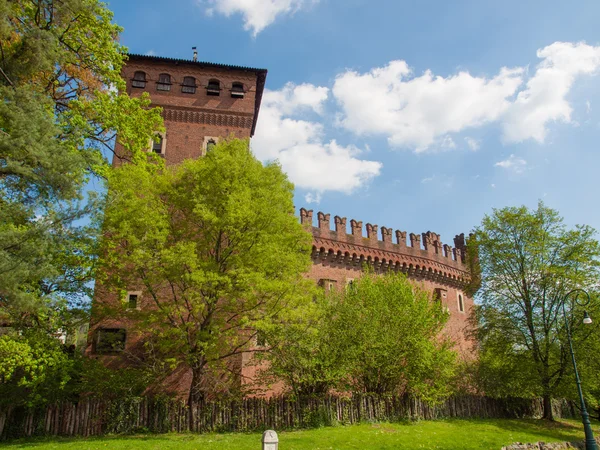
x,y
139,79
440,294
328,285
189,85
158,144
110,340
132,301
210,145
237,90
350,284
164,82
461,304
213,87
261,340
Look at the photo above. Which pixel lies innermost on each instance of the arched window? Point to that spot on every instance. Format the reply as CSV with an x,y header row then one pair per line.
x,y
189,85
213,87
164,82
237,90
139,79
210,145
461,304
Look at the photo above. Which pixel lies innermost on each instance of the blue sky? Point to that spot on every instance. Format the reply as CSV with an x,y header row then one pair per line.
x,y
412,115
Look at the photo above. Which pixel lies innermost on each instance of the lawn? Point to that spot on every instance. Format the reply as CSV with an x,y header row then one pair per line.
x,y
442,434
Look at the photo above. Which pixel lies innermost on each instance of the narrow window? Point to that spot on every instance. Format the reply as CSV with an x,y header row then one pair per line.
x,y
350,285
164,82
189,85
110,340
213,87
261,340
210,145
237,90
139,80
158,144
461,305
132,301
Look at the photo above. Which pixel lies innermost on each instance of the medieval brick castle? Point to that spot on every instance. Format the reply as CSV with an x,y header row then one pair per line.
x,y
204,102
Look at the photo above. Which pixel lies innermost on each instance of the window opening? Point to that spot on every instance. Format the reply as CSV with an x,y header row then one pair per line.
x,y
237,90
213,87
139,80
164,82
132,301
189,85
157,144
210,145
461,305
110,340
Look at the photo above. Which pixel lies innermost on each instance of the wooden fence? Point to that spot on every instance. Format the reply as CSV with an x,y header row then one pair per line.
x,y
93,417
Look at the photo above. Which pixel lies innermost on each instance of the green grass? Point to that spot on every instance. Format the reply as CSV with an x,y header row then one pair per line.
x,y
442,434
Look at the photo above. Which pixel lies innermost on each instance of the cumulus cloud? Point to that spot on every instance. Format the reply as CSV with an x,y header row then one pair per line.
x,y
544,98
257,14
421,112
415,112
513,164
284,133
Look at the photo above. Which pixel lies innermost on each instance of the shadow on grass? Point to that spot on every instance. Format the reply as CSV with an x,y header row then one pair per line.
x,y
542,429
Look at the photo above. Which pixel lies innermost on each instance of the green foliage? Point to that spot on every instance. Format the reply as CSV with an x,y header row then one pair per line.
x,y
63,102
382,335
393,332
34,369
301,351
216,246
99,381
529,260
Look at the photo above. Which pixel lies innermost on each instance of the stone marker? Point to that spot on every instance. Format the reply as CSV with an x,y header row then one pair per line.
x,y
270,441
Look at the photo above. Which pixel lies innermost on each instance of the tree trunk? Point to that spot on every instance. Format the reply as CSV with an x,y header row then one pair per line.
x,y
548,414
195,396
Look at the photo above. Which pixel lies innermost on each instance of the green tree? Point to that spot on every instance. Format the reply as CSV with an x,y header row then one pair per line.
x,y
34,369
528,261
216,248
382,335
394,331
301,351
63,103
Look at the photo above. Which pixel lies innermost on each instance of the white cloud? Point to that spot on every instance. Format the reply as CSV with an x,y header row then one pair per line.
x,y
588,106
420,112
313,198
150,53
473,144
513,163
257,14
415,111
297,143
544,98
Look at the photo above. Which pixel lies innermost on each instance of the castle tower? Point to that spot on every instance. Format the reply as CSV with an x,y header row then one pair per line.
x,y
202,102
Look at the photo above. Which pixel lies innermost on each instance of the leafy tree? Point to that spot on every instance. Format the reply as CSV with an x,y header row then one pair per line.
x,y
529,260
383,335
301,351
216,248
34,369
394,330
63,102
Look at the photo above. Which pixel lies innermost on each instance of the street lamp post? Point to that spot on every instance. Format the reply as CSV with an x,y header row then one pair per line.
x,y
590,442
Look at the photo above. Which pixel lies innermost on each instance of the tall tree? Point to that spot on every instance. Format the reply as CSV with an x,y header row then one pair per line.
x,y
63,102
216,248
529,260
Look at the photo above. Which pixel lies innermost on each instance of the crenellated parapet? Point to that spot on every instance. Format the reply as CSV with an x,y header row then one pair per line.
x,y
424,256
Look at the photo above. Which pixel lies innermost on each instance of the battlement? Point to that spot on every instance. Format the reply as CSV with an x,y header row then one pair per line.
x,y
385,247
